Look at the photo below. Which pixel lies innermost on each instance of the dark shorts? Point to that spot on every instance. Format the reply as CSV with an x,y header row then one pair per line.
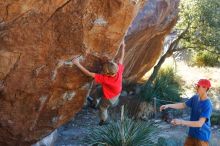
x,y
105,104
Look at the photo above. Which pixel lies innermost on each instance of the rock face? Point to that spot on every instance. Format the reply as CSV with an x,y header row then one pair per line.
x,y
145,38
39,87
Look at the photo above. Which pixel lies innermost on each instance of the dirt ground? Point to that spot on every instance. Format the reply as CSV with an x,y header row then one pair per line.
x,y
74,132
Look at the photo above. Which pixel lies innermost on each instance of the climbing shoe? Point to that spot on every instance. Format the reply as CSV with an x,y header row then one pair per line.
x,y
102,122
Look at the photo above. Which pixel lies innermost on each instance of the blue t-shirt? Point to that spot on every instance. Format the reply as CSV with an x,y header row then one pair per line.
x,y
200,108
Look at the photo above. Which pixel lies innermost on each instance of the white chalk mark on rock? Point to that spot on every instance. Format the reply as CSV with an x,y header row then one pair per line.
x,y
67,96
100,21
64,62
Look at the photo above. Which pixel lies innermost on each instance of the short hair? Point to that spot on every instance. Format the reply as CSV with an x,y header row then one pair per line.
x,y
110,68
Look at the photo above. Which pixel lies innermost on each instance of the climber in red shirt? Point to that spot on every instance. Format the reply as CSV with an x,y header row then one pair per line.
x,y
111,81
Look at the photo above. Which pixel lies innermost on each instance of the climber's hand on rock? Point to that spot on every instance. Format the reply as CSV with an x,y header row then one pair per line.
x,y
76,61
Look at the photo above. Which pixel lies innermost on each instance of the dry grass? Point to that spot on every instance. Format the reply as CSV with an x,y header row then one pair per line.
x,y
190,75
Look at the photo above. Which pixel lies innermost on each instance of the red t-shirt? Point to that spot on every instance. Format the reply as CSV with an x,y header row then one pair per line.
x,y
111,85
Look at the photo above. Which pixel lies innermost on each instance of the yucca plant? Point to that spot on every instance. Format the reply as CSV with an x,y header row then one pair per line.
x,y
122,133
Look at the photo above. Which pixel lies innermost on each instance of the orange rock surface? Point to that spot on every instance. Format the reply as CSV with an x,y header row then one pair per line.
x,y
146,36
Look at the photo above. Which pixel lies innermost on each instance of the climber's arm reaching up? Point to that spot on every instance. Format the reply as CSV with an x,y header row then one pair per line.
x,y
122,48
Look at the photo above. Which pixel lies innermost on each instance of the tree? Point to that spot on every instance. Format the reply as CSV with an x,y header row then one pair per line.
x,y
204,19
198,28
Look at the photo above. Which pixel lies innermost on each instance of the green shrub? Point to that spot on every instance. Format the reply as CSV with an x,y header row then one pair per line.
x,y
147,93
135,133
205,58
166,87
215,118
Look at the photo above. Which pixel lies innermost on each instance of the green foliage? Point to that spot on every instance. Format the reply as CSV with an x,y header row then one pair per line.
x,y
135,133
215,119
205,58
166,86
204,19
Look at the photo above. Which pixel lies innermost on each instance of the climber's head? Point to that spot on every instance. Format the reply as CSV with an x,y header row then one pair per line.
x,y
110,68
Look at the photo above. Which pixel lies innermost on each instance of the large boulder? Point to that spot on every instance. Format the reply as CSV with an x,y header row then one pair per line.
x,y
39,87
146,36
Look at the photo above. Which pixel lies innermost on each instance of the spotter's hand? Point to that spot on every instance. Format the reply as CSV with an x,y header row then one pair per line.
x,y
177,122
163,107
